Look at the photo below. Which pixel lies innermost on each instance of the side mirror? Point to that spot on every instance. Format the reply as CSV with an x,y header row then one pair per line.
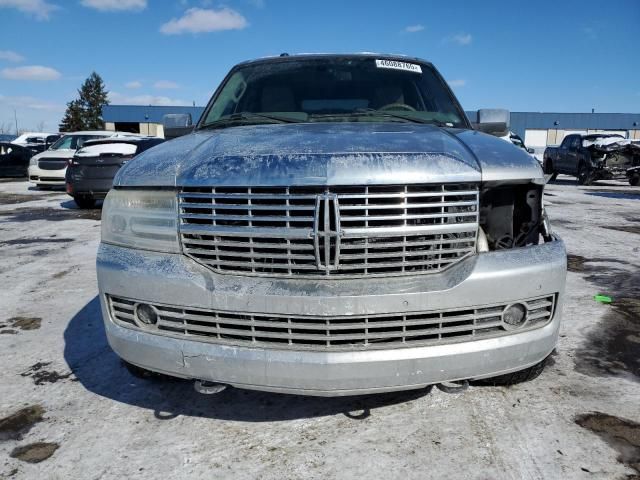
x,y
176,125
494,121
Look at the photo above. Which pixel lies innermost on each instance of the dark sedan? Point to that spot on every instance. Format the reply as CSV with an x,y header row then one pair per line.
x,y
14,160
90,173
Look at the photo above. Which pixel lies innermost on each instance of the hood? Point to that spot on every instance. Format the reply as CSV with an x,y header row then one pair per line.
x,y
500,160
313,154
62,153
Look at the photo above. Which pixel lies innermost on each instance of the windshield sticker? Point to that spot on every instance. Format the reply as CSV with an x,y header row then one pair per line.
x,y
395,65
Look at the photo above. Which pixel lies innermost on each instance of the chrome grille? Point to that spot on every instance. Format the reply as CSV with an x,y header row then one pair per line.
x,y
329,231
333,333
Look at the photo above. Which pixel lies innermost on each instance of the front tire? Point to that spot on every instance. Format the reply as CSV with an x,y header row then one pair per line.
x,y
514,378
634,180
584,175
85,201
548,170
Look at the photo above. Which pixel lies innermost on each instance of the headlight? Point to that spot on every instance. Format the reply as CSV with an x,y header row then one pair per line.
x,y
33,161
141,219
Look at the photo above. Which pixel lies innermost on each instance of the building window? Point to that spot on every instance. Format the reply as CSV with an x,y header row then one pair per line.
x,y
128,127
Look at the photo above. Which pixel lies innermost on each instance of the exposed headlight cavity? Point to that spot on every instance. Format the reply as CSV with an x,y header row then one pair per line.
x,y
141,219
511,215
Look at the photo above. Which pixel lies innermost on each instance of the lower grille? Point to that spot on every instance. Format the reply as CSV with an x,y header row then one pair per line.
x,y
50,179
333,333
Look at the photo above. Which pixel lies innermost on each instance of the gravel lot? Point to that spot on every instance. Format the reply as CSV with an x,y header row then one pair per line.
x,y
69,409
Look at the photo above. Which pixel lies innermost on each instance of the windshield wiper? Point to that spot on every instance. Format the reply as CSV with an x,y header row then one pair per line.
x,y
370,112
248,118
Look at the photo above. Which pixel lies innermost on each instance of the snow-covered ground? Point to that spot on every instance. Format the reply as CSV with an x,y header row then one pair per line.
x,y
64,390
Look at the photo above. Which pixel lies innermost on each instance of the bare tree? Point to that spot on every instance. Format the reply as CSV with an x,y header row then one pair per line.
x,y
40,126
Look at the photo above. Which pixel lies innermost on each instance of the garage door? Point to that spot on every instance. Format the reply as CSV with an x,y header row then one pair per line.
x,y
535,138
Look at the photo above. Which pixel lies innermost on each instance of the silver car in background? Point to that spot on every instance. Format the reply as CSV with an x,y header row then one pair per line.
x,y
334,225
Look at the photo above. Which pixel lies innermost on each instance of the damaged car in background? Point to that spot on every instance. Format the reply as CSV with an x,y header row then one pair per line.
x,y
333,225
593,157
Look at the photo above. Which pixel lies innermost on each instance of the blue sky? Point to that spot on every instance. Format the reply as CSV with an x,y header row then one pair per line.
x,y
560,56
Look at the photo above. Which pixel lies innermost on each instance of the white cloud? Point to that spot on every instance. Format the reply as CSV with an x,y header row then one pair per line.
x,y
460,39
199,20
165,85
31,103
10,56
119,99
115,5
133,84
414,28
40,9
457,83
31,72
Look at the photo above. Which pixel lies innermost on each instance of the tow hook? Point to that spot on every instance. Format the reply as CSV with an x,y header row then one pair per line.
x,y
208,388
453,387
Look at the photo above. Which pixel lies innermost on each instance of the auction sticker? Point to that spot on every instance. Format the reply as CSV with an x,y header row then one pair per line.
x,y
396,65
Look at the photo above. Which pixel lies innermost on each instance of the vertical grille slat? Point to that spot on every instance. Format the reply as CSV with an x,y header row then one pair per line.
x,y
334,231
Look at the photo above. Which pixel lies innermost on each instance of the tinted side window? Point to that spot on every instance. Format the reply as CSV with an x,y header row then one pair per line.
x,y
576,142
567,141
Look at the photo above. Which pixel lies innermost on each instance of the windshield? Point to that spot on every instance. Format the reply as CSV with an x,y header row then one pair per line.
x,y
72,142
334,89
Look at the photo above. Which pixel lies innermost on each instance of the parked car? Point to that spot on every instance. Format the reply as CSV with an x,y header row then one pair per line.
x,y
518,142
332,226
592,157
40,146
14,160
48,168
90,173
31,137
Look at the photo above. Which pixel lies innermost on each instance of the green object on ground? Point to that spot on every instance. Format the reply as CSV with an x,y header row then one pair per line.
x,y
602,298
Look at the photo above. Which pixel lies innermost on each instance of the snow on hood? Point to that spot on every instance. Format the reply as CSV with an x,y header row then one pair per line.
x,y
96,150
61,153
327,154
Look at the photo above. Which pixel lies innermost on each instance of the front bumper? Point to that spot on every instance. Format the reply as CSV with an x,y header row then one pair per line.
x,y
95,188
507,276
94,181
39,176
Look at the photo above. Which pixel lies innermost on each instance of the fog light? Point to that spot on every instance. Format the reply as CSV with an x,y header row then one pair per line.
x,y
514,316
146,314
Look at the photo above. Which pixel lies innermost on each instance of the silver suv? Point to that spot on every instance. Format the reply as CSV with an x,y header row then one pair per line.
x,y
333,225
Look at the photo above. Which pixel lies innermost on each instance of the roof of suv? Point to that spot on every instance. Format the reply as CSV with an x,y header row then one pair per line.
x,y
285,57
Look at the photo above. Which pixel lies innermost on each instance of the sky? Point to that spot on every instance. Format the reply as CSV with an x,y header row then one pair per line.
x,y
552,56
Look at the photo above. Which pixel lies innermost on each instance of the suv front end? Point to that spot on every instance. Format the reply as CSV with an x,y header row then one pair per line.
x,y
334,259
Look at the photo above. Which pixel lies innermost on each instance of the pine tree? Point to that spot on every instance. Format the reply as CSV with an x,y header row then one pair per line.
x,y
93,97
85,112
73,119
